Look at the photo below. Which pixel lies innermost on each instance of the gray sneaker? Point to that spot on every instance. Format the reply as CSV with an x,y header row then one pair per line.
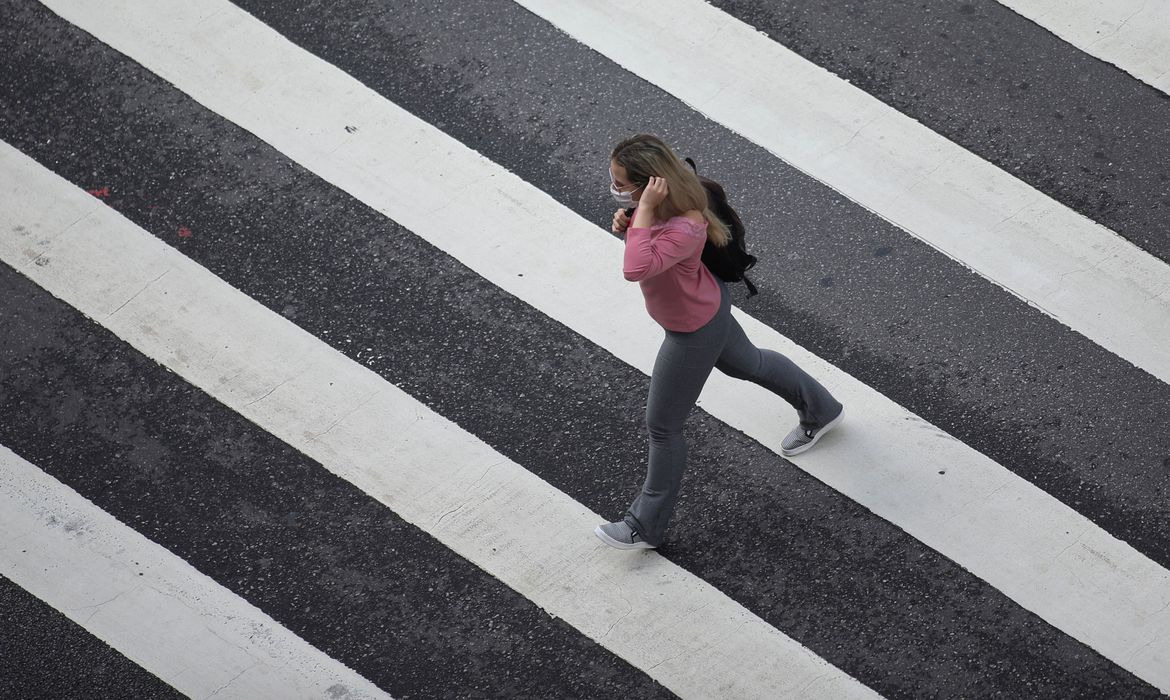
x,y
621,536
800,440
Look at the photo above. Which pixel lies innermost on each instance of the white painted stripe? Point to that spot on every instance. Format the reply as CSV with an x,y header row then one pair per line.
x,y
674,626
149,604
1035,549
1077,271
1133,35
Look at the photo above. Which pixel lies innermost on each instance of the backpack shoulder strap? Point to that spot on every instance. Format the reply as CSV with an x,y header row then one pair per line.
x,y
719,204
718,198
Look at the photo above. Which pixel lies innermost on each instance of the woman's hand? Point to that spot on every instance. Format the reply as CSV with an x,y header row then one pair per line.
x,y
621,221
655,191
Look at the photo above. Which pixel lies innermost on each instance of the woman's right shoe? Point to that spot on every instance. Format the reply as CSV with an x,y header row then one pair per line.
x,y
800,440
621,536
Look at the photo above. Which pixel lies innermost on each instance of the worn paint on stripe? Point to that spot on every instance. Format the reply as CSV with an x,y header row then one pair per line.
x,y
677,628
149,604
1133,35
1072,268
1035,549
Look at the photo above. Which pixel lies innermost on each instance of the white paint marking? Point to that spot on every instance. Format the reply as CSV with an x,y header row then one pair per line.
x,y
500,226
1133,35
148,604
674,626
1075,270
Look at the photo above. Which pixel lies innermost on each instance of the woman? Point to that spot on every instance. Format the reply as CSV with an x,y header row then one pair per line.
x,y
664,244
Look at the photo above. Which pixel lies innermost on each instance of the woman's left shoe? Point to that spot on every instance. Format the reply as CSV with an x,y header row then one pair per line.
x,y
621,536
800,440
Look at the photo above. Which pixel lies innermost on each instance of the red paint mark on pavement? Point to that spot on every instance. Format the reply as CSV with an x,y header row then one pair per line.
x,y
100,192
184,232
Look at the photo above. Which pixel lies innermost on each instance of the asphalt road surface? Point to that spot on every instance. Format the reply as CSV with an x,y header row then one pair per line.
x,y
317,366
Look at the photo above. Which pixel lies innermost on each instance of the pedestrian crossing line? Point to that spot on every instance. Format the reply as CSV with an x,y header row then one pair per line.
x,y
1075,270
1036,550
675,627
149,604
1133,35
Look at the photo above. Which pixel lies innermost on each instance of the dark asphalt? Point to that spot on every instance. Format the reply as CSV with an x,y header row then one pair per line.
x,y
1074,127
855,589
44,654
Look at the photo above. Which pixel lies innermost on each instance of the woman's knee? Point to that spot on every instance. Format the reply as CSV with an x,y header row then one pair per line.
x,y
662,431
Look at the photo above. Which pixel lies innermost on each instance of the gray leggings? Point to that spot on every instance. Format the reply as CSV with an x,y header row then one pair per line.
x,y
683,365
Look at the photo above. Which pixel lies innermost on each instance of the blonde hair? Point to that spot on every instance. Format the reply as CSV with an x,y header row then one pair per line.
x,y
645,156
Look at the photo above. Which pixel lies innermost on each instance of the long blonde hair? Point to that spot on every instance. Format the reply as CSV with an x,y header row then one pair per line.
x,y
644,156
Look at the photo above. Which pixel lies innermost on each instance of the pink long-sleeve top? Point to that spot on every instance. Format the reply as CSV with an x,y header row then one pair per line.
x,y
666,261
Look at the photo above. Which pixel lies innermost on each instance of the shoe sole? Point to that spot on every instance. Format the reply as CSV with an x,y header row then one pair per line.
x,y
820,433
618,544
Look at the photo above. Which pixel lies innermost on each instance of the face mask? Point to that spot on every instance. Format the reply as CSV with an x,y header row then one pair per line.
x,y
625,200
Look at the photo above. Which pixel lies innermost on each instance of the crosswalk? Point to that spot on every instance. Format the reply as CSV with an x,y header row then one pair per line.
x,y
311,302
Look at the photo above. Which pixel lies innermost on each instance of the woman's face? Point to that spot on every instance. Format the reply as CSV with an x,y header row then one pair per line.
x,y
621,180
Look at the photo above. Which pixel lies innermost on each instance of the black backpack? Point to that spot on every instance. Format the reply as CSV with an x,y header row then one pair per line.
x,y
731,262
